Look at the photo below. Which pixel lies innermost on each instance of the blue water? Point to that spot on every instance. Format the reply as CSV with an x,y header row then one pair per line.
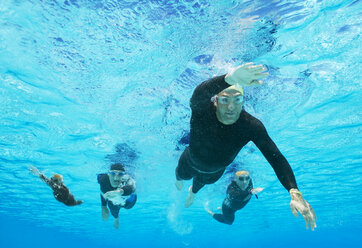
x,y
78,77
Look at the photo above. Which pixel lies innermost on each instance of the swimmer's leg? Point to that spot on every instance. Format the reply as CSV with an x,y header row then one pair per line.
x,y
183,170
199,181
114,209
190,198
105,213
179,184
116,223
194,188
227,216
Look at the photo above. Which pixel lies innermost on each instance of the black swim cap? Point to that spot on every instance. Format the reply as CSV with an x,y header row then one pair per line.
x,y
117,166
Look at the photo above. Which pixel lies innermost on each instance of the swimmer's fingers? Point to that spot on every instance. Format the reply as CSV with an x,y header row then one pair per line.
x,y
256,68
311,218
246,65
261,75
34,170
246,74
308,220
294,209
109,194
255,83
257,190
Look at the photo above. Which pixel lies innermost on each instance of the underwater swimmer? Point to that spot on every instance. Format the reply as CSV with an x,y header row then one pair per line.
x,y
238,194
60,191
220,128
117,191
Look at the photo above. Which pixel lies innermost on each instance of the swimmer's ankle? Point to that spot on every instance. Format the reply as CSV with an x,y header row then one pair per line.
x,y
179,184
116,223
190,198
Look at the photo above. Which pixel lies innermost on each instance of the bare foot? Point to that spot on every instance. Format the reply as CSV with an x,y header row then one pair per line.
x,y
179,184
105,213
190,198
116,223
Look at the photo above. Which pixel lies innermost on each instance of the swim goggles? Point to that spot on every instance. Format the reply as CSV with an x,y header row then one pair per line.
x,y
114,173
243,178
226,100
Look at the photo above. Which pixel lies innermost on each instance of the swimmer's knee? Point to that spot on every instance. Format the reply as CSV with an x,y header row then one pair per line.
x,y
229,222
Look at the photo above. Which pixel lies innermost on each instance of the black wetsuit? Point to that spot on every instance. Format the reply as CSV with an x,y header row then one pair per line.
x,y
61,192
213,145
128,187
236,199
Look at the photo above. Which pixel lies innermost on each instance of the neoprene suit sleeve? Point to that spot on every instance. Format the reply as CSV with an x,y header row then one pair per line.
x,y
274,157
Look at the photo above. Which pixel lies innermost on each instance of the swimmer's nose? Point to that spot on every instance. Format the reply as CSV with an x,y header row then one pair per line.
x,y
231,105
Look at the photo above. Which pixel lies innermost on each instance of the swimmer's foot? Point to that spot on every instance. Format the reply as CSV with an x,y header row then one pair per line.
x,y
190,198
179,184
105,213
116,223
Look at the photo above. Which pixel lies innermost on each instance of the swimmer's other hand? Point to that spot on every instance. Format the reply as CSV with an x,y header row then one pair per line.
x,y
298,204
246,75
34,170
112,194
256,190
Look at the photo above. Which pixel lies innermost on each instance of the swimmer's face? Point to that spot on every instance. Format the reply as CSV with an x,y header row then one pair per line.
x,y
56,180
115,177
229,104
242,180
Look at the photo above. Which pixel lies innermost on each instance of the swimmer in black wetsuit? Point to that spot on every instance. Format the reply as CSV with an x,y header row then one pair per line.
x,y
239,193
220,128
117,191
60,191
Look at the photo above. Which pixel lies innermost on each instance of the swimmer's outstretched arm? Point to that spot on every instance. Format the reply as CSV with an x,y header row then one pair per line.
x,y
298,204
130,187
36,172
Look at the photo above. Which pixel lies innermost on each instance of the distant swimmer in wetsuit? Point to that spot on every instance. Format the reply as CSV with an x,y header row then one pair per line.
x,y
238,194
60,191
117,191
220,128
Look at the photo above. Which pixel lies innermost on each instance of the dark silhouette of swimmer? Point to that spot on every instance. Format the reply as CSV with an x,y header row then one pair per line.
x,y
117,191
220,128
60,191
238,194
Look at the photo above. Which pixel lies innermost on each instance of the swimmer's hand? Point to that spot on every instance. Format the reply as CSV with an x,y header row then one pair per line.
x,y
298,204
113,194
34,170
210,212
246,75
255,191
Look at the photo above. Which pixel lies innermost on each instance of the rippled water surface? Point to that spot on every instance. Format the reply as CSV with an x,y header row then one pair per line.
x,y
78,77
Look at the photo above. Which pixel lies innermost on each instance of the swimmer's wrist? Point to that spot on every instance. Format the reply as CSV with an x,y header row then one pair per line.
x,y
295,191
228,79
